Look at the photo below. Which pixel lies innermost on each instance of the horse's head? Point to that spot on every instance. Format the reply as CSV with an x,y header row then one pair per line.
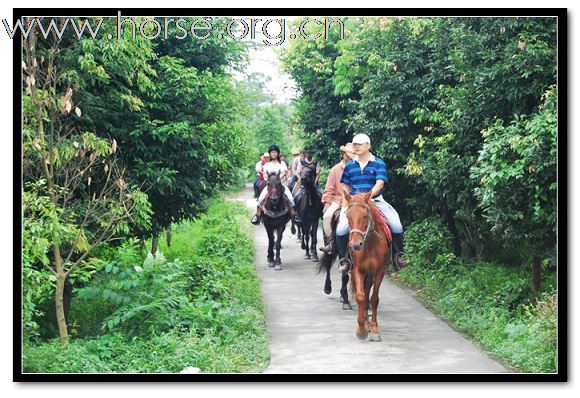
x,y
307,176
358,212
275,187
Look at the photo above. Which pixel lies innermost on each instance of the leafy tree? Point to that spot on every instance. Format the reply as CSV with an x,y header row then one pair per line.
x,y
423,89
320,114
516,173
75,193
179,127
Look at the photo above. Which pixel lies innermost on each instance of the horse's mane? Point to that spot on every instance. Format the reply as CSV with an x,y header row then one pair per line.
x,y
378,220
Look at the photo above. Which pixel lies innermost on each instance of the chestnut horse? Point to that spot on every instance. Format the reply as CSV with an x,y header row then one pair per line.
x,y
369,247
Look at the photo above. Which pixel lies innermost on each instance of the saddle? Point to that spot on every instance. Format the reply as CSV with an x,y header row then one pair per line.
x,y
381,226
273,213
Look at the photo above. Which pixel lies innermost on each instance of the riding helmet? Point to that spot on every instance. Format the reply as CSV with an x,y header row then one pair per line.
x,y
274,148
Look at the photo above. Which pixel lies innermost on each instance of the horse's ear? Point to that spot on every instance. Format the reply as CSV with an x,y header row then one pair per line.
x,y
367,196
346,195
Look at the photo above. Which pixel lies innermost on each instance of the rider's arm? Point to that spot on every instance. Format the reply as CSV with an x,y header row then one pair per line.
x,y
381,179
377,188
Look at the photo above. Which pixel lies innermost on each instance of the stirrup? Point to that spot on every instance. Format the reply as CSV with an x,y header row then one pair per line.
x,y
256,219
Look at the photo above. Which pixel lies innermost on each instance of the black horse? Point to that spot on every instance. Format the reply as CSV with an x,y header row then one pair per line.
x,y
309,209
325,264
276,209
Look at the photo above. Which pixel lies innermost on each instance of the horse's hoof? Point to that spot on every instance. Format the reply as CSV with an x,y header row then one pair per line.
x,y
327,290
315,259
346,307
270,263
293,230
307,256
375,337
278,267
362,335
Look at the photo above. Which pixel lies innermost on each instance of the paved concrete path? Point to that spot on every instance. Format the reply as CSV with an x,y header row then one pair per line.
x,y
311,333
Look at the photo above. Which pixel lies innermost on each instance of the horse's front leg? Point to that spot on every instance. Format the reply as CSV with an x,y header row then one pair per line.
x,y
359,281
344,292
306,239
375,334
280,233
314,231
327,282
270,247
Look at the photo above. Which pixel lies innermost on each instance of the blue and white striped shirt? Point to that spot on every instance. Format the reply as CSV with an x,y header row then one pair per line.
x,y
364,180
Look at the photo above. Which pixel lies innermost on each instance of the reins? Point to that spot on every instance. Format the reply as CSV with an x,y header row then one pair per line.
x,y
273,213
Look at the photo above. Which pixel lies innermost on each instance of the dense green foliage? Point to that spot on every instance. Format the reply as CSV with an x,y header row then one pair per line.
x,y
121,138
493,303
199,305
442,99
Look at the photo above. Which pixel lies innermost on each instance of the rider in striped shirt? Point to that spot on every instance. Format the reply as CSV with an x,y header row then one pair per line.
x,y
363,174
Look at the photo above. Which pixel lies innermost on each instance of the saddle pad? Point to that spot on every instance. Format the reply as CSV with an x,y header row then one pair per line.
x,y
382,224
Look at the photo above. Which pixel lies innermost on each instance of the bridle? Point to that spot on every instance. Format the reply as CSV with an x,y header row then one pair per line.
x,y
370,223
274,213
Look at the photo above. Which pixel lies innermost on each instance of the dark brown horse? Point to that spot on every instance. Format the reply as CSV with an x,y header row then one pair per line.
x,y
276,209
369,247
310,211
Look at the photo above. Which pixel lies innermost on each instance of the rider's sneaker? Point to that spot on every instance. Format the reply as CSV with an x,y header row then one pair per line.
x,y
326,249
256,220
401,262
344,265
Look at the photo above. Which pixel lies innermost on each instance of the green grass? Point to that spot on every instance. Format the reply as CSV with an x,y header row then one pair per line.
x,y
495,305
223,310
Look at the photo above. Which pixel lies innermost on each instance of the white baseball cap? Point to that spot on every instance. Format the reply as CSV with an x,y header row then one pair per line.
x,y
266,154
361,139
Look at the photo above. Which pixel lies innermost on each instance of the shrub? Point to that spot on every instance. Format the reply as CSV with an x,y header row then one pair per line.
x,y
496,305
427,239
201,305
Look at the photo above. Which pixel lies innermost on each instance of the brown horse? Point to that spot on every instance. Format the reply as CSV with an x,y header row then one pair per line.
x,y
369,247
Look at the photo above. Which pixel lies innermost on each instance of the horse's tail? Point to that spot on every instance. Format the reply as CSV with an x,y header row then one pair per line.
x,y
352,289
325,262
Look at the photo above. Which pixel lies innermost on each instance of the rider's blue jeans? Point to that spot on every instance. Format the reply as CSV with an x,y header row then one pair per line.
x,y
392,216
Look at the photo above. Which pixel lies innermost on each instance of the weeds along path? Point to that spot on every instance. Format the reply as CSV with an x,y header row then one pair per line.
x,y
311,333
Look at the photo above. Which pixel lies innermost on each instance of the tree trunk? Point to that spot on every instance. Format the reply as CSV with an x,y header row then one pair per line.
x,y
67,300
59,296
168,236
536,273
453,229
154,245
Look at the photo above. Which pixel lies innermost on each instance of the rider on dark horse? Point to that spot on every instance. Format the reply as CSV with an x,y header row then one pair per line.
x,y
363,174
315,167
274,166
260,181
297,156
